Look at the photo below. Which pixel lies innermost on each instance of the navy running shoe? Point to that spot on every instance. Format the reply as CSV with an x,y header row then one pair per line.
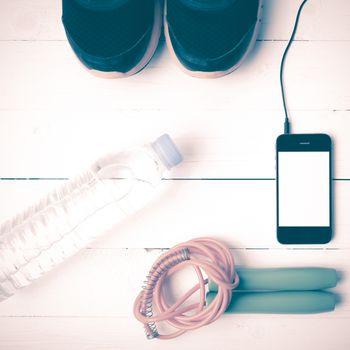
x,y
211,38
113,38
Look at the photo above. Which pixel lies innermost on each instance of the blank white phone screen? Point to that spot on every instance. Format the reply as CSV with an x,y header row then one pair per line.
x,y
303,188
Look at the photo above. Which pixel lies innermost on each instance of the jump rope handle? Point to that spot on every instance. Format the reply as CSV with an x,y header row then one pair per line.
x,y
284,279
281,291
282,302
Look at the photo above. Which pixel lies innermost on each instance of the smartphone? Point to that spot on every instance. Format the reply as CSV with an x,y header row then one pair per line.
x,y
304,188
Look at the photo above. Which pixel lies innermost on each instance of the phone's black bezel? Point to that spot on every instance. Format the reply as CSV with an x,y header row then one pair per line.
x,y
305,143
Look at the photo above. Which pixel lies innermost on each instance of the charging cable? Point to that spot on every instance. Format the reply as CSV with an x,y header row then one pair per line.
x,y
286,121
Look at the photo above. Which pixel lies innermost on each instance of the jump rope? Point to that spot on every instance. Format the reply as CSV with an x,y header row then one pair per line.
x,y
207,254
280,290
231,289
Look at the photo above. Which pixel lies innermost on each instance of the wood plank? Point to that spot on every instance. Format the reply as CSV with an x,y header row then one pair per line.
x,y
35,72
34,20
215,144
240,212
88,302
105,282
47,76
288,333
321,20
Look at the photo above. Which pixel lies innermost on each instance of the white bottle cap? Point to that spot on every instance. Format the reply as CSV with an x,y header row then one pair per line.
x,y
167,151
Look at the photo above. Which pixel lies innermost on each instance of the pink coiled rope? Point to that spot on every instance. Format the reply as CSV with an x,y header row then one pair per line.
x,y
206,254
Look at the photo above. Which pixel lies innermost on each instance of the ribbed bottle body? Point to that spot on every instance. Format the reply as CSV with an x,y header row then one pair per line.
x,y
70,217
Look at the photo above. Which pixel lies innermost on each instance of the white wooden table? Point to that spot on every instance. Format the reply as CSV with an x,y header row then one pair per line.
x,y
55,119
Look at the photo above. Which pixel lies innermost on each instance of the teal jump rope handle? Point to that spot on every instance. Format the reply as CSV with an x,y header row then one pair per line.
x,y
302,302
288,279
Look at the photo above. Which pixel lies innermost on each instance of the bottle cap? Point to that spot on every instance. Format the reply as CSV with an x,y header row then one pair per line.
x,y
167,151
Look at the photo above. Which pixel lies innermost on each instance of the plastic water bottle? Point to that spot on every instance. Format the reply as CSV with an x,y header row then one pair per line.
x,y
66,220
